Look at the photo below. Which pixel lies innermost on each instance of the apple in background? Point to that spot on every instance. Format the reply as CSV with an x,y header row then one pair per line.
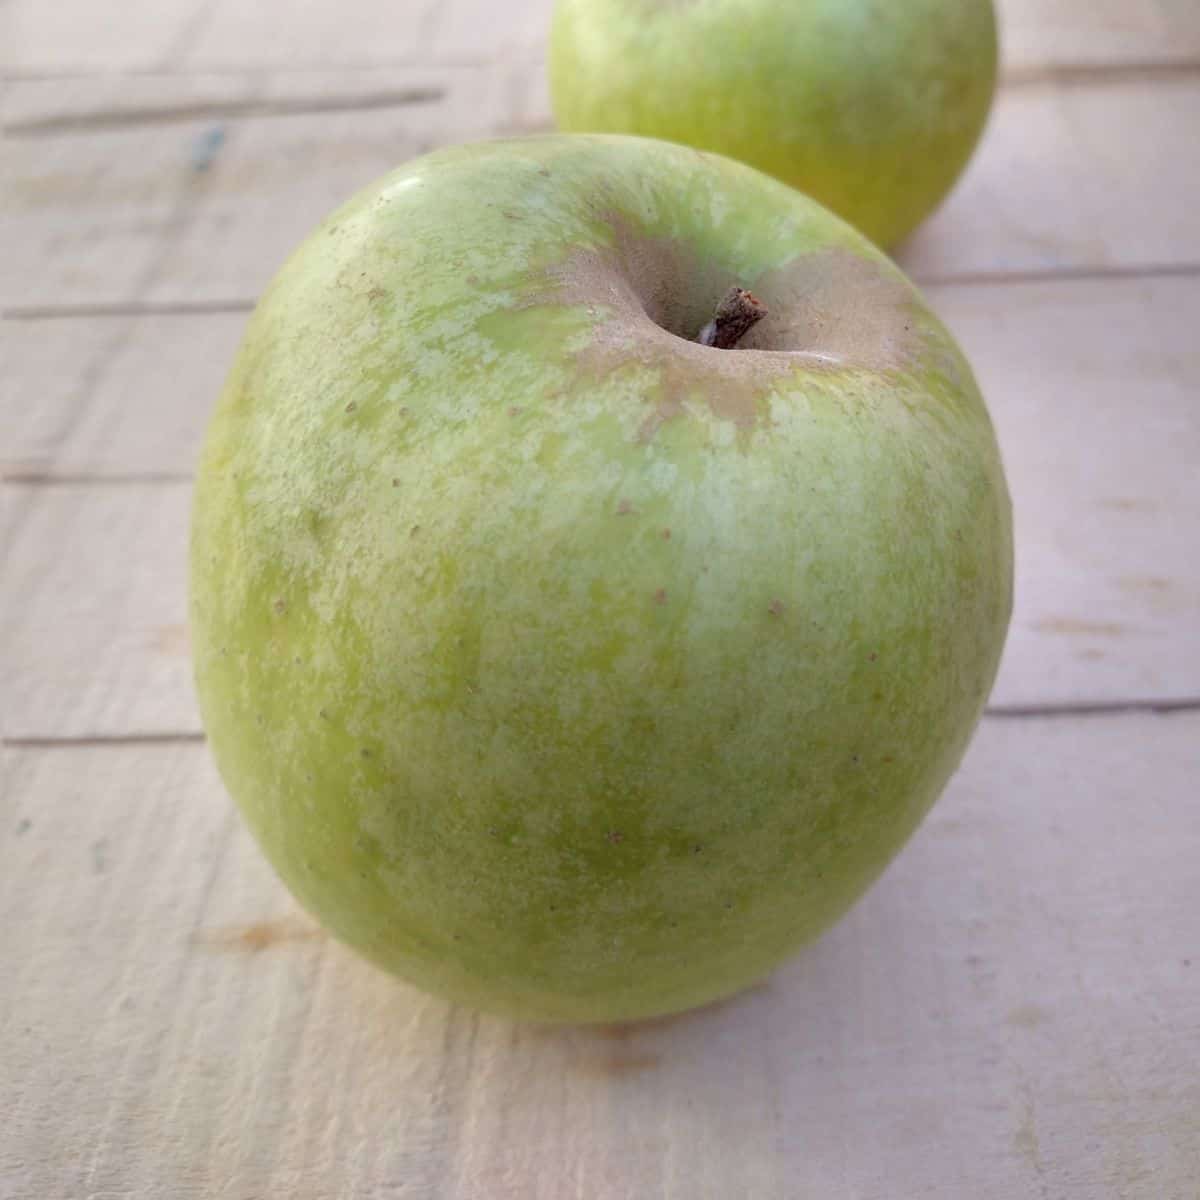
x,y
561,664
872,108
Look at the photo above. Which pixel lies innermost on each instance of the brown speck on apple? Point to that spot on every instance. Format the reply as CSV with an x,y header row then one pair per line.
x,y
414,530
395,483
624,508
666,535
280,605
615,837
660,596
872,656
351,406
775,608
515,410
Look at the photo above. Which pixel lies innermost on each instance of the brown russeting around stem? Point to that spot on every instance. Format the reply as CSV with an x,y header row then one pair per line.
x,y
737,312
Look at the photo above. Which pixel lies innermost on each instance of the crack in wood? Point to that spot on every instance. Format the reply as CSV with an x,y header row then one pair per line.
x,y
1100,73
1099,708
120,118
151,308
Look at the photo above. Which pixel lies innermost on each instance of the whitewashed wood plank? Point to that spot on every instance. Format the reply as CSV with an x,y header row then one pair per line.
x,y
87,218
205,210
83,35
141,35
112,397
1079,178
1012,1011
1092,385
1040,34
475,31
43,385
93,638
44,106
326,33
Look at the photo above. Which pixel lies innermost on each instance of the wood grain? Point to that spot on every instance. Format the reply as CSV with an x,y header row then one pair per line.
x,y
203,211
79,103
76,36
93,640
1072,179
1008,1013
1038,36
1092,386
112,397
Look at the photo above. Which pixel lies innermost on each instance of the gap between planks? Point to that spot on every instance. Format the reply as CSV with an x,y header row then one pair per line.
x,y
159,114
201,308
1057,75
1003,712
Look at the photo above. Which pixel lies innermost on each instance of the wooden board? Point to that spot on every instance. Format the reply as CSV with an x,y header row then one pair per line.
x,y
189,210
203,212
43,107
145,35
113,397
1013,1011
1040,36
93,640
1082,178
1092,385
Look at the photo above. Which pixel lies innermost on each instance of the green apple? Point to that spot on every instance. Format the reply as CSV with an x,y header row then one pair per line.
x,y
872,108
561,664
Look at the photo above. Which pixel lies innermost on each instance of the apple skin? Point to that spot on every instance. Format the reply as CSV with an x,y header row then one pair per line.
x,y
561,665
871,108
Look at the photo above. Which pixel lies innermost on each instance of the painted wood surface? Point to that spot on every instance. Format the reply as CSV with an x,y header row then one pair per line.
x,y
1014,1011
201,211
82,36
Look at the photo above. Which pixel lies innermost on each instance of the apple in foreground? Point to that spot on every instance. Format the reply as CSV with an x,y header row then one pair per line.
x,y
562,664
872,108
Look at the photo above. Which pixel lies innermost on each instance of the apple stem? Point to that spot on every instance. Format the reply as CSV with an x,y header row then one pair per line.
x,y
738,311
